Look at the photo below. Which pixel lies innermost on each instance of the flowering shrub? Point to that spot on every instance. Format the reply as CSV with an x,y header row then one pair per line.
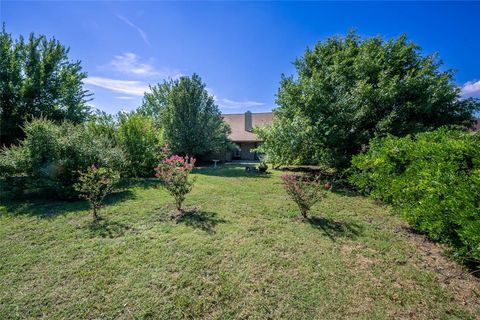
x,y
304,191
94,185
173,173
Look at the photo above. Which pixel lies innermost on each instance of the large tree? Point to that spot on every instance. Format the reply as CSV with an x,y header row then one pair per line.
x,y
348,90
37,79
190,119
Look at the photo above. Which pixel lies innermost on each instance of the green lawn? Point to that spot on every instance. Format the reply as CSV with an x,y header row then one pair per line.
x,y
241,255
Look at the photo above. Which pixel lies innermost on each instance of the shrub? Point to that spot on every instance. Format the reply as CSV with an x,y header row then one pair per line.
x,y
304,191
94,185
141,141
263,166
284,143
47,161
174,173
103,124
432,179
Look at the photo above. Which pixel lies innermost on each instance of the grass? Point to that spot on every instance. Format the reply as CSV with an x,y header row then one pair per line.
x,y
238,253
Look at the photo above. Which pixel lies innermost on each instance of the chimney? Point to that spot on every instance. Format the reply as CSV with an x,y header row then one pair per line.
x,y
248,121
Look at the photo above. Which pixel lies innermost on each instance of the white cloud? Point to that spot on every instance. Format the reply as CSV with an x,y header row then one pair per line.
x,y
135,88
142,33
130,63
232,104
471,89
225,103
211,93
125,97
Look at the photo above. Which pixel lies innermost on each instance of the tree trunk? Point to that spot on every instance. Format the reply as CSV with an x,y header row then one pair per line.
x,y
95,216
304,214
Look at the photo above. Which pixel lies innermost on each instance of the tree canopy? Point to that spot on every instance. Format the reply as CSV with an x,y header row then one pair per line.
x,y
349,90
37,79
190,119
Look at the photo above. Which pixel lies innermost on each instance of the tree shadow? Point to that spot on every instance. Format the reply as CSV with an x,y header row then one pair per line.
x,y
205,221
106,228
143,183
48,209
345,192
334,229
231,171
119,196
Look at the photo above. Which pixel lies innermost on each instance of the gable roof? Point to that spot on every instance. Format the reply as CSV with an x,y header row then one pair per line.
x,y
237,125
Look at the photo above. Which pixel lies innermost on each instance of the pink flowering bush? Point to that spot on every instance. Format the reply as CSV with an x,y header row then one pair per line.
x,y
304,191
94,185
173,173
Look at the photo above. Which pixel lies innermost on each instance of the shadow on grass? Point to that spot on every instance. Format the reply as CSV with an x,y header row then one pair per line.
x,y
143,183
334,229
231,171
106,228
52,208
202,220
345,192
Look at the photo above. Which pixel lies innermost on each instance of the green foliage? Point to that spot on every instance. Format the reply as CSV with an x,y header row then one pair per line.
x,y
141,141
103,124
263,166
188,115
432,179
38,80
51,155
349,90
94,185
283,142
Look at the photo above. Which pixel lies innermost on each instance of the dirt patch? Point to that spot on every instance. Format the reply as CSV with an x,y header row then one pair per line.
x,y
452,276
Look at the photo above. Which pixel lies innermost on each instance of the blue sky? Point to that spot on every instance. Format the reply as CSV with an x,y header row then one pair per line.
x,y
240,49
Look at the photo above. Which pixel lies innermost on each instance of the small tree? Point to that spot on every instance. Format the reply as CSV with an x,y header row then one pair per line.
x,y
94,185
304,191
174,173
187,113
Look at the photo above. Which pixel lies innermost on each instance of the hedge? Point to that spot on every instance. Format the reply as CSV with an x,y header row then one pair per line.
x,y
432,179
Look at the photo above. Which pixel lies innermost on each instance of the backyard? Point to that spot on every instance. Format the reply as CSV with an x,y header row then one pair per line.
x,y
240,252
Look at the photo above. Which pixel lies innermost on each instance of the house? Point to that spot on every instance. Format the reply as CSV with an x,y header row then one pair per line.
x,y
241,126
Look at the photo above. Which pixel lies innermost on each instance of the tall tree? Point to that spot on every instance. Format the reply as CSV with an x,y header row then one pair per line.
x,y
37,79
348,90
188,115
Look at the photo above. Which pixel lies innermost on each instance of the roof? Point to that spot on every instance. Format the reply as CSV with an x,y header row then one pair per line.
x,y
237,125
